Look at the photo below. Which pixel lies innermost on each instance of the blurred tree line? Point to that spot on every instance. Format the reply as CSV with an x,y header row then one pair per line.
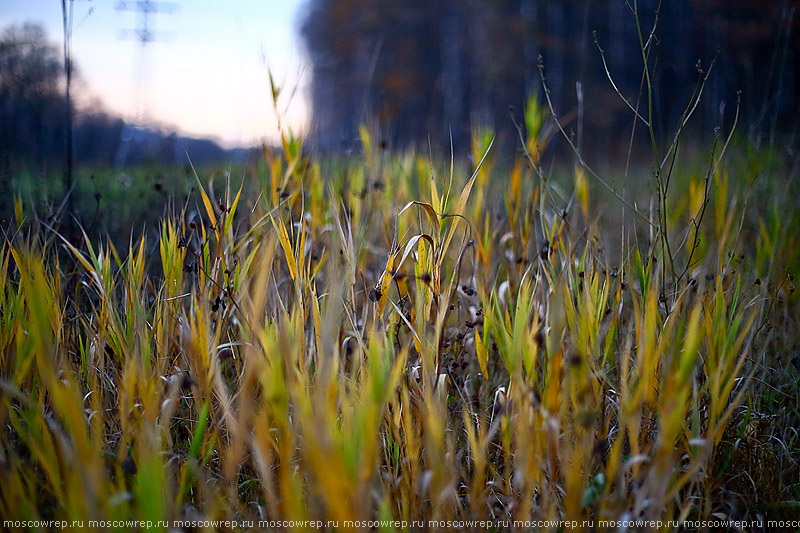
x,y
425,68
33,119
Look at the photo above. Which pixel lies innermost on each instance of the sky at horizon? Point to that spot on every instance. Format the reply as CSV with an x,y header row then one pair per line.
x,y
207,75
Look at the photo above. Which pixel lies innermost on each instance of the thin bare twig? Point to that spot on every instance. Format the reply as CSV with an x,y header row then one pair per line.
x,y
578,155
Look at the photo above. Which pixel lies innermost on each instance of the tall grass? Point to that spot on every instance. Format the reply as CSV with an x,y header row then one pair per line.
x,y
377,341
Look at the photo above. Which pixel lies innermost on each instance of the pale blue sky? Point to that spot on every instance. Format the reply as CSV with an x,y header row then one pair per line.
x,y
208,77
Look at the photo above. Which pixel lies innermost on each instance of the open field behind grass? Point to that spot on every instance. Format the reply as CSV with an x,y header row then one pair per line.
x,y
377,340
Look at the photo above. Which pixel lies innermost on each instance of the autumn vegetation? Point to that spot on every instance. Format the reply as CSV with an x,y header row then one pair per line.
x,y
404,338
401,335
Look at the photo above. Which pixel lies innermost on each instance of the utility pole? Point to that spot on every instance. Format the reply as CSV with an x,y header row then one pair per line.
x,y
67,17
67,10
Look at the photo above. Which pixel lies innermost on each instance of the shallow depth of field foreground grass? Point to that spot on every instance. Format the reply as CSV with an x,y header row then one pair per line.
x,y
387,339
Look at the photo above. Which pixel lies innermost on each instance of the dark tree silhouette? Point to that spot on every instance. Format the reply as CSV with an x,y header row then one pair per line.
x,y
31,99
428,67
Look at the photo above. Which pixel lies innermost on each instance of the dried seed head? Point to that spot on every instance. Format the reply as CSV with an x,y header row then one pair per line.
x,y
539,338
187,382
600,450
128,466
375,294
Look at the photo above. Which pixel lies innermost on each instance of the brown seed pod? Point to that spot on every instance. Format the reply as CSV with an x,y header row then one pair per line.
x,y
375,294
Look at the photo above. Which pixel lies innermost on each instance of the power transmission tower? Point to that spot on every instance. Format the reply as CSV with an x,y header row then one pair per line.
x,y
145,35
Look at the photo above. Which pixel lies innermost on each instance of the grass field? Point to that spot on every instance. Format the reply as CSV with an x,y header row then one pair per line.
x,y
394,338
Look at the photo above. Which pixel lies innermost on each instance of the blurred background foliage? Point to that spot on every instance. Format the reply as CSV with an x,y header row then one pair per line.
x,y
428,68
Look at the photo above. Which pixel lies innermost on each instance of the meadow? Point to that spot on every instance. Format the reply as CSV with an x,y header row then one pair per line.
x,y
396,336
